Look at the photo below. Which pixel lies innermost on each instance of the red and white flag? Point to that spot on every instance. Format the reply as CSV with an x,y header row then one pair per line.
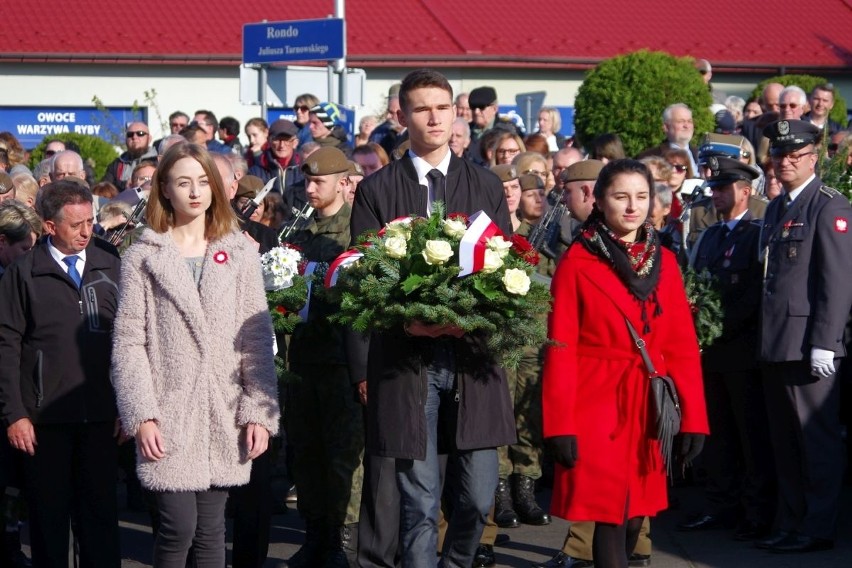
x,y
341,261
474,242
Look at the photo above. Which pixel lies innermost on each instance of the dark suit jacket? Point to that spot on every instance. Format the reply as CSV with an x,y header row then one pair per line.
x,y
733,259
807,294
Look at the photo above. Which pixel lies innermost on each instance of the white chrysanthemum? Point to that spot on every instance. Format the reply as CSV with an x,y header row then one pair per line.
x,y
280,265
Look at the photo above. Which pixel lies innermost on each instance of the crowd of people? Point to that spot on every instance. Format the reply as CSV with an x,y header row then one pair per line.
x,y
134,330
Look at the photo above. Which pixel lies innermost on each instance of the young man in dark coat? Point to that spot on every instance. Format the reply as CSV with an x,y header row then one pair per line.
x,y
427,371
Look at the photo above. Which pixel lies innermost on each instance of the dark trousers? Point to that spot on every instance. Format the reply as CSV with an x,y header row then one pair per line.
x,y
252,506
378,526
190,518
72,474
806,439
738,454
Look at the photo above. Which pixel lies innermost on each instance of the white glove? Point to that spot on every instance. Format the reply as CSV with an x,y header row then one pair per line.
x,y
822,362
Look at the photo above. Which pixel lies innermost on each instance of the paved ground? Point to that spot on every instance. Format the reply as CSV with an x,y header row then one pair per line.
x,y
672,549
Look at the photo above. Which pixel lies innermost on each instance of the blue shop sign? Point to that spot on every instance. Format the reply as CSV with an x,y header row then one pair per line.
x,y
31,125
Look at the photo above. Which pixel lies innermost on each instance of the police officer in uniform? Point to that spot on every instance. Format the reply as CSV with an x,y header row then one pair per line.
x,y
324,422
740,476
806,300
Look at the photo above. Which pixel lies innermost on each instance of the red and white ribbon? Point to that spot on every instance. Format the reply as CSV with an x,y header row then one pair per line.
x,y
474,242
341,261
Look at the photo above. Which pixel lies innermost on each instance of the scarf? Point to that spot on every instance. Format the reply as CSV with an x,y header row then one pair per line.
x,y
636,264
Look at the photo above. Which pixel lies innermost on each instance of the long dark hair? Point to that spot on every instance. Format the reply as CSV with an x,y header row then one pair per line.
x,y
618,167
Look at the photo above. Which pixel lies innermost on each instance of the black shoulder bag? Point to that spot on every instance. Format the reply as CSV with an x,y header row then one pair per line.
x,y
665,400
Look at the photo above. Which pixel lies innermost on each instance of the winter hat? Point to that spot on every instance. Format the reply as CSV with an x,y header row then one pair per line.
x,y
328,113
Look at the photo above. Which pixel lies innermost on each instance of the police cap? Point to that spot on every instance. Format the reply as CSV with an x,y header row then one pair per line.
x,y
724,171
727,145
789,135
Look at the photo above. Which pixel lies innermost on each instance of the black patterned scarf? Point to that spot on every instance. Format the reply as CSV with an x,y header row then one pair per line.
x,y
637,264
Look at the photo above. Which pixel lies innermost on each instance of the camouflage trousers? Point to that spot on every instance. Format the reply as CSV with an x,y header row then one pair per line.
x,y
325,427
524,457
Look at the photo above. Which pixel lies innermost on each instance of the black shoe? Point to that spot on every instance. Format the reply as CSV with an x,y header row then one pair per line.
x,y
312,553
798,543
748,530
771,540
639,560
705,522
523,496
484,556
562,560
501,539
504,515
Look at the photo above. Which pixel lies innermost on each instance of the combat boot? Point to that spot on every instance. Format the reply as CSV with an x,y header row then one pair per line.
x,y
336,553
350,543
523,496
504,515
313,551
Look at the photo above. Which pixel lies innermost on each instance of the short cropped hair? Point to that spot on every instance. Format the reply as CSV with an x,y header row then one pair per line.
x,y
57,194
420,78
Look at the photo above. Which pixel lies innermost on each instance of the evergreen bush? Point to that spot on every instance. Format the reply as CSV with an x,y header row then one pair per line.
x,y
628,93
99,152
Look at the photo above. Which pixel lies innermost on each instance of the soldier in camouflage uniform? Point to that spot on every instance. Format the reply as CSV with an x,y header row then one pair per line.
x,y
324,422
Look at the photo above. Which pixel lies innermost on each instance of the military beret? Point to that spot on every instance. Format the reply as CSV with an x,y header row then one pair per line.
x,y
727,145
790,135
282,127
724,171
249,186
482,97
355,169
6,184
529,181
506,172
586,170
325,161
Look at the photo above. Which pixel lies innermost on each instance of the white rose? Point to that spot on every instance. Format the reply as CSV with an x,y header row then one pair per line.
x,y
499,245
492,261
437,252
396,247
454,228
516,281
398,229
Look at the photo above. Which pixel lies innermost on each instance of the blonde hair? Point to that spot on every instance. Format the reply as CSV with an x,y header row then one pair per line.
x,y
220,218
17,221
26,188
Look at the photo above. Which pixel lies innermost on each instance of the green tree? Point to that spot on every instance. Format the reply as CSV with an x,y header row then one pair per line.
x,y
807,83
98,152
628,93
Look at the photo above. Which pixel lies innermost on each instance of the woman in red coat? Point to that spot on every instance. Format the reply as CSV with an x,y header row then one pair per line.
x,y
597,413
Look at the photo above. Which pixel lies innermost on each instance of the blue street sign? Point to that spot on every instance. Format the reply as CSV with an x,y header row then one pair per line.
x,y
297,40
32,124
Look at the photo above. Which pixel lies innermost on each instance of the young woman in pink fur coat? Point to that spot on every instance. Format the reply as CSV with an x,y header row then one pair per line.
x,y
192,360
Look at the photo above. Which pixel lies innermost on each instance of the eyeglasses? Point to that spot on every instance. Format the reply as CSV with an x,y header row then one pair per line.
x,y
789,105
178,125
302,108
137,133
49,153
792,158
679,168
508,151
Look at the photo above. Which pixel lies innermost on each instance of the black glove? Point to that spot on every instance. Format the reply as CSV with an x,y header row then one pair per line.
x,y
564,450
690,446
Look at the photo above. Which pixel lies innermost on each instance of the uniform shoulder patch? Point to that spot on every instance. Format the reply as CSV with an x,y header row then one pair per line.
x,y
841,225
829,191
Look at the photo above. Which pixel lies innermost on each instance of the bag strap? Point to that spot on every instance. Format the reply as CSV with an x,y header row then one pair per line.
x,y
640,344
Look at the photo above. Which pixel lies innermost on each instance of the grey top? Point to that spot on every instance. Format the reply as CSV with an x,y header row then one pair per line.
x,y
194,263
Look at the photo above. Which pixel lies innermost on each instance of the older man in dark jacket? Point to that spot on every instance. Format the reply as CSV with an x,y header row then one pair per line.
x,y
432,378
56,399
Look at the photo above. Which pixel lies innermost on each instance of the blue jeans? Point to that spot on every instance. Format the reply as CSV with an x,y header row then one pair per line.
x,y
471,478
